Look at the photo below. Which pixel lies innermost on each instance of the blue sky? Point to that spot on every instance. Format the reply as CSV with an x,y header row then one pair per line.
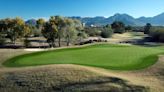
x,y
86,8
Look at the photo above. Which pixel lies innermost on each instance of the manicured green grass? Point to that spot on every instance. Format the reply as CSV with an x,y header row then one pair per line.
x,y
107,56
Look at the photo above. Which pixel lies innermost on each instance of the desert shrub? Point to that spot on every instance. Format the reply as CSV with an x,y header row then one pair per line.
x,y
128,28
157,34
106,33
147,28
37,33
2,39
27,42
91,31
120,31
118,27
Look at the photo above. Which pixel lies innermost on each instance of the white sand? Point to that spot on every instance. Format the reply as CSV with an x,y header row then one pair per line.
x,y
35,49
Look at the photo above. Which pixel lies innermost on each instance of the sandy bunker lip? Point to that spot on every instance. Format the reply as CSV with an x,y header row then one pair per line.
x,y
35,50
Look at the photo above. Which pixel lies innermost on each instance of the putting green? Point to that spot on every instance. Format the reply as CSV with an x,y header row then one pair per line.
x,y
107,56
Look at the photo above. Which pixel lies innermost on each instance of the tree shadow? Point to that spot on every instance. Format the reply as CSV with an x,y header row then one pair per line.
x,y
102,84
33,83
147,42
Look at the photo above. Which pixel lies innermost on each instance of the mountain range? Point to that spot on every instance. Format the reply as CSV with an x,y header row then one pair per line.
x,y
125,18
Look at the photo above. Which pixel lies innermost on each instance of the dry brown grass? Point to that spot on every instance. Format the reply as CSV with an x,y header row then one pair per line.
x,y
152,77
126,37
117,38
63,78
8,53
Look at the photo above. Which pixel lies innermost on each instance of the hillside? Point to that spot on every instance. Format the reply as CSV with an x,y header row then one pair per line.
x,y
127,19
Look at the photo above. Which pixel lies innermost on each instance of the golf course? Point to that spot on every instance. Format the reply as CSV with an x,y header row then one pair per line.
x,y
82,46
108,56
97,67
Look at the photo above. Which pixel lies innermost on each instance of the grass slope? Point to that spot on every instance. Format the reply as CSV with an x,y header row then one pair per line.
x,y
103,55
64,78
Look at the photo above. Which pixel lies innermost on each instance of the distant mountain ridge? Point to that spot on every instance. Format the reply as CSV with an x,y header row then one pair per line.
x,y
127,19
31,22
156,20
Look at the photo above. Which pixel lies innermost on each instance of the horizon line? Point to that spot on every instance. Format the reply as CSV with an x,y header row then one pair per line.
x,y
47,17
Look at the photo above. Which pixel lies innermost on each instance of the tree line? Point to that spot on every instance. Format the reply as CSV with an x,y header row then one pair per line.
x,y
59,28
155,32
54,30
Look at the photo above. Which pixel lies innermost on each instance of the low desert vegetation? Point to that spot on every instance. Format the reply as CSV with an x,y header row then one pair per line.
x,y
157,34
64,78
60,30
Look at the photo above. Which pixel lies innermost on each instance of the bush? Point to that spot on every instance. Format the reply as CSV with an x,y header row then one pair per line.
x,y
120,31
27,42
37,33
128,28
118,27
106,33
157,34
91,31
2,39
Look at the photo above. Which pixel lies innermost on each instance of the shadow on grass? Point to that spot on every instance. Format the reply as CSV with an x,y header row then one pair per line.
x,y
25,83
105,84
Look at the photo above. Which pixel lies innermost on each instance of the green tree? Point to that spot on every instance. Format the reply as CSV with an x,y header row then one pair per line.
x,y
147,28
26,33
118,27
60,23
2,38
157,34
73,27
80,30
69,30
106,32
17,28
50,31
128,28
40,23
3,25
13,28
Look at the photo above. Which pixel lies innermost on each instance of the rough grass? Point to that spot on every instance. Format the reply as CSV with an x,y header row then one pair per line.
x,y
64,78
101,55
5,54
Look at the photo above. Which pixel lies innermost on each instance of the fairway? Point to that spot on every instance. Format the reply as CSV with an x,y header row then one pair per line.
x,y
117,57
